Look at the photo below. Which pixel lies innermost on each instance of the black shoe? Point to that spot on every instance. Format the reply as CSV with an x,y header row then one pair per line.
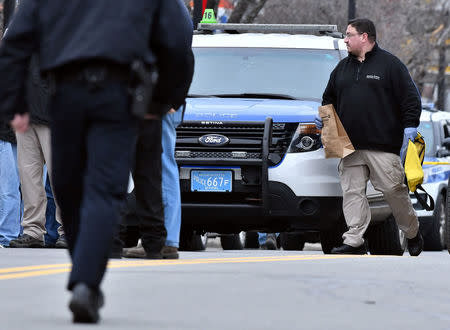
x,y
153,255
415,245
85,304
26,241
271,242
169,252
61,242
348,249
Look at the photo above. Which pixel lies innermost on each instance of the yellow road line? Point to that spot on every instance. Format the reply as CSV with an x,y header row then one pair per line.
x,y
436,163
28,268
40,270
34,274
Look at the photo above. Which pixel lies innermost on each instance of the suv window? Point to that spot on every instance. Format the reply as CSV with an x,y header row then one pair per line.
x,y
299,73
426,129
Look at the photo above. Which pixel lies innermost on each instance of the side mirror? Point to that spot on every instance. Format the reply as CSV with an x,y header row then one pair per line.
x,y
446,143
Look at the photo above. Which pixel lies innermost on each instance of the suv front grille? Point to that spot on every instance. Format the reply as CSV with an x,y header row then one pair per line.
x,y
245,141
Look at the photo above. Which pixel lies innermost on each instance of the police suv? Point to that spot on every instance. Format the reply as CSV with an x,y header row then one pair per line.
x,y
435,127
249,154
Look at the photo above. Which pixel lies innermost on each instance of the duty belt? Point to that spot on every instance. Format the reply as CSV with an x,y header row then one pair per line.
x,y
92,73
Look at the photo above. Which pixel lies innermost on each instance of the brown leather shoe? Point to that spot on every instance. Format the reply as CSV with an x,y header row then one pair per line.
x,y
169,252
134,252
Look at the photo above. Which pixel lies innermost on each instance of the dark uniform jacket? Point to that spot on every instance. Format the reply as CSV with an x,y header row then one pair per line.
x,y
37,94
63,32
375,100
6,133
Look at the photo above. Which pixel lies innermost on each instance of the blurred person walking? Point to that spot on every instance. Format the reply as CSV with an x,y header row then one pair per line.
x,y
87,49
379,106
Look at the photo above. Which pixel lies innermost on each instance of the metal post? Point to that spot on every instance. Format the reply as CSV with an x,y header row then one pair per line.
x,y
351,9
199,8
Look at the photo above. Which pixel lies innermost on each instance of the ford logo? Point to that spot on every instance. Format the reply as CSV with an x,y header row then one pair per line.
x,y
215,140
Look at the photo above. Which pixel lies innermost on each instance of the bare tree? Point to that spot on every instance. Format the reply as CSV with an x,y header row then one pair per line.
x,y
246,11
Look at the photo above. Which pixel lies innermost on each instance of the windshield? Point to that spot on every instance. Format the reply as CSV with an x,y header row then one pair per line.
x,y
426,129
299,73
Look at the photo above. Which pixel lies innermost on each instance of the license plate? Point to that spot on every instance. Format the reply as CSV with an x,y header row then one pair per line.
x,y
211,181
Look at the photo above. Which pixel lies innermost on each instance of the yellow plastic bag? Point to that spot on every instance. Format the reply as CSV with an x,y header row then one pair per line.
x,y
413,167
414,172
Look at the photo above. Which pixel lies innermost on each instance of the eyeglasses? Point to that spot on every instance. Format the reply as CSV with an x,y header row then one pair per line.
x,y
349,35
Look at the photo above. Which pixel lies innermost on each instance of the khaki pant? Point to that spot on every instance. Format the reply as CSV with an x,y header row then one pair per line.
x,y
33,151
387,176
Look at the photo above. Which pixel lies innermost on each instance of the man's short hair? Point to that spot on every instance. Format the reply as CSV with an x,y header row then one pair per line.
x,y
364,25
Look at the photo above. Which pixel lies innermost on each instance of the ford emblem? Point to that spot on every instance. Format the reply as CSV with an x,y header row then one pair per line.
x,y
215,140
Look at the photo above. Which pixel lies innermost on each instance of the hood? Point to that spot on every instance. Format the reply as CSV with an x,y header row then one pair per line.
x,y
245,109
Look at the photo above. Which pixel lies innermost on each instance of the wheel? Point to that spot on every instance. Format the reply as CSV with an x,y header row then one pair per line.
x,y
447,221
331,238
204,239
251,240
231,242
434,240
242,237
292,241
384,238
191,241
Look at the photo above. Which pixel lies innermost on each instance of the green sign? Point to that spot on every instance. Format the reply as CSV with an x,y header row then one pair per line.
x,y
209,17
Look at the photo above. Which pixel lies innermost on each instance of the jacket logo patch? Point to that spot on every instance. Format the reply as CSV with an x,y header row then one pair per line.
x,y
372,76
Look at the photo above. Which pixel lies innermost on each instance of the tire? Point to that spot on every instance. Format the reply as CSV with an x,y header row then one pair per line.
x,y
191,241
447,221
331,238
231,242
292,241
384,238
434,240
251,240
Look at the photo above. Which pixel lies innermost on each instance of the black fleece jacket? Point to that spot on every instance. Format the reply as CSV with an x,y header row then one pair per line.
x,y
375,100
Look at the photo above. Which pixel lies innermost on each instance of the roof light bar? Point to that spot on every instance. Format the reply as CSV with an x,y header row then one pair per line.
x,y
269,28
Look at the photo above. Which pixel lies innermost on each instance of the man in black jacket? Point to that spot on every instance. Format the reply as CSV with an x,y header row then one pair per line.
x,y
88,48
379,106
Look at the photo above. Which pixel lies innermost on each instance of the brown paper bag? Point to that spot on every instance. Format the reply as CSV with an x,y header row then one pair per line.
x,y
335,140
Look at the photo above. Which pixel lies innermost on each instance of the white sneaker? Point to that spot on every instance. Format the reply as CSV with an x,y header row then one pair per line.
x,y
1,246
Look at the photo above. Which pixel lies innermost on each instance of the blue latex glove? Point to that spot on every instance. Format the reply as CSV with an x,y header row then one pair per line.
x,y
409,133
318,121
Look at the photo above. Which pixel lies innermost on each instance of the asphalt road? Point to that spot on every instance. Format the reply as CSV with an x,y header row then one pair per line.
x,y
250,289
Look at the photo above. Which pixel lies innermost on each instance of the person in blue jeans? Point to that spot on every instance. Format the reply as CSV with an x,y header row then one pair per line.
x,y
268,241
171,194
51,225
9,189
171,197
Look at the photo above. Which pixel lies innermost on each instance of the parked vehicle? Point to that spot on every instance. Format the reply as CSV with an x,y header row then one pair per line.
x,y
435,127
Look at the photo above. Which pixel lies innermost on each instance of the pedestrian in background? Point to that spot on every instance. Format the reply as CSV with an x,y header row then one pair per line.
x,y
171,195
379,106
9,187
33,152
87,48
9,176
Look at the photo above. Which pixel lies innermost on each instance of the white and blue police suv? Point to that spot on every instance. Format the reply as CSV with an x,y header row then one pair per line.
x,y
435,127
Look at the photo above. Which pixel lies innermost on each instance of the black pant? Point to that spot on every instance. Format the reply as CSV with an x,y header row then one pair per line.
x,y
93,135
145,202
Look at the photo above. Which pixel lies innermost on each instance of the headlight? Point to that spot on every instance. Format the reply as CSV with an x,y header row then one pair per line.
x,y
306,138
